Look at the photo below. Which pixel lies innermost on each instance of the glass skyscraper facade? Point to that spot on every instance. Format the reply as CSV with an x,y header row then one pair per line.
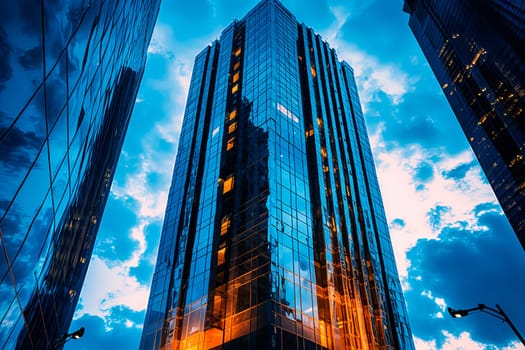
x,y
476,51
275,235
69,75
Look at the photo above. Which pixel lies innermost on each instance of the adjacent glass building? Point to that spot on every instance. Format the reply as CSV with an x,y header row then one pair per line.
x,y
275,235
69,75
476,50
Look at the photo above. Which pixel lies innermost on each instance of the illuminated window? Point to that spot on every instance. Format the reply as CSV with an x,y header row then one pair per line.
x,y
236,77
237,52
237,66
221,256
230,143
232,127
232,114
314,73
309,132
235,88
225,225
228,185
323,152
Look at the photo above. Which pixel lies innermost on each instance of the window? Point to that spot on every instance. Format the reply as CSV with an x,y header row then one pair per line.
x,y
230,144
237,66
235,77
235,88
225,225
237,52
221,256
243,297
232,127
232,114
228,184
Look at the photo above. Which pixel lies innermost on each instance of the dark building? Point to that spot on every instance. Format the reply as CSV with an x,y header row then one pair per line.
x,y
476,50
70,72
275,235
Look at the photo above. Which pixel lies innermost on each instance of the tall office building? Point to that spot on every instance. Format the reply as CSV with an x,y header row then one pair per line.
x,y
274,235
70,72
476,51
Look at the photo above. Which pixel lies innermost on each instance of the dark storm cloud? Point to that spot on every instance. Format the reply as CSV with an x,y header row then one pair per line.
x,y
458,172
31,58
466,267
96,335
6,71
18,149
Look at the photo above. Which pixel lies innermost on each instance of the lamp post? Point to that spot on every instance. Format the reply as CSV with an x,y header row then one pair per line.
x,y
497,313
75,335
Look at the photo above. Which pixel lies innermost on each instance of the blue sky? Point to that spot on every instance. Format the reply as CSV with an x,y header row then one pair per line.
x,y
453,245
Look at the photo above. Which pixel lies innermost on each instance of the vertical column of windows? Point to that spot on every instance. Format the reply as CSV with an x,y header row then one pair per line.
x,y
218,318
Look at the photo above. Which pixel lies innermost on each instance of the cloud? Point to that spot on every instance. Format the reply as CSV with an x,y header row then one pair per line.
x,y
463,266
119,289
459,172
400,171
461,342
372,75
122,333
159,44
424,172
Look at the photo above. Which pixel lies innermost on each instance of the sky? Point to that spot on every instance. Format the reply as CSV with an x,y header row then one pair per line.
x,y
452,243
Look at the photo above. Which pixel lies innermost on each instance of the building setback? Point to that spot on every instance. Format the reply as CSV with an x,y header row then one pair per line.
x,y
476,51
275,235
70,72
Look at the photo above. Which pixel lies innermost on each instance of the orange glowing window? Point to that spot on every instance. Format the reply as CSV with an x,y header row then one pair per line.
x,y
228,185
309,132
230,143
236,77
235,88
237,66
232,127
232,114
237,52
314,73
225,225
221,256
323,152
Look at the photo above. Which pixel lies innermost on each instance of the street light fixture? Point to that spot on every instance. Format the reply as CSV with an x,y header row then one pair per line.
x,y
497,313
75,335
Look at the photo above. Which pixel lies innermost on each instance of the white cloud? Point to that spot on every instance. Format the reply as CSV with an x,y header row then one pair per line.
x,y
461,342
115,287
372,75
396,168
160,40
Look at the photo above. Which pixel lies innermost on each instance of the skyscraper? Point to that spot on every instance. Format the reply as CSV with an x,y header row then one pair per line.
x,y
274,235
70,72
476,51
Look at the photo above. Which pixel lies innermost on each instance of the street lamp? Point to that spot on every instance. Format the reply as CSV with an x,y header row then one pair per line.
x,y
75,335
497,313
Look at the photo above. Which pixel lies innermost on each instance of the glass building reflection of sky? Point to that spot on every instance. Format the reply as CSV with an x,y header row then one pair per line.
x,y
476,51
69,75
274,235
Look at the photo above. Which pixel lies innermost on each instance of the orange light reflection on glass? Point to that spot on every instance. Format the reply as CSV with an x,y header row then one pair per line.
x,y
228,185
